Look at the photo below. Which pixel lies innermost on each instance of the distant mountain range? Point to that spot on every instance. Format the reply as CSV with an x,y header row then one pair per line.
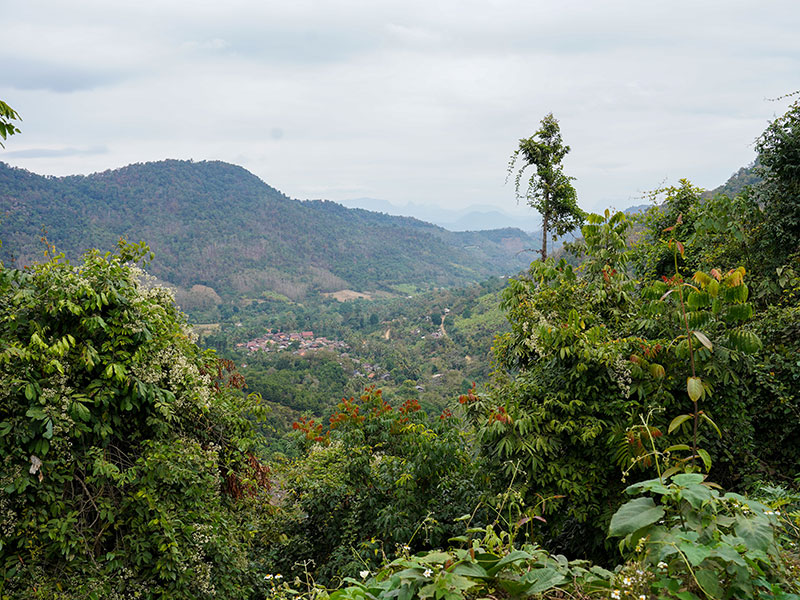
x,y
470,218
215,225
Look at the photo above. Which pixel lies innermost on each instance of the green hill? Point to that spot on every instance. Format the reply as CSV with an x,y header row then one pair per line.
x,y
216,225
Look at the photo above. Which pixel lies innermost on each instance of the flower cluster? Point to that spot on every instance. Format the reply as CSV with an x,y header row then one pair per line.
x,y
620,372
632,582
500,415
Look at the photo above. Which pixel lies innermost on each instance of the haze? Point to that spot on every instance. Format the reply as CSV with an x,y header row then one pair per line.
x,y
402,101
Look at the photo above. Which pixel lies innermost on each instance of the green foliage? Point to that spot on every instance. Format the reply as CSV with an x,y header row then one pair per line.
x,y
779,192
589,351
548,189
377,477
673,216
128,463
403,346
7,116
479,571
702,543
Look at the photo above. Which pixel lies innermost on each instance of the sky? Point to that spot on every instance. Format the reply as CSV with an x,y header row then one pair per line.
x,y
406,101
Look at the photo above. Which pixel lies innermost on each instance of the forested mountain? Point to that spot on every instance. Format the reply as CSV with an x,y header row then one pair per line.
x,y
741,179
217,225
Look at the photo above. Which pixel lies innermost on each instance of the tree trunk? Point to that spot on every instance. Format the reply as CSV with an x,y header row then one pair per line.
x,y
544,236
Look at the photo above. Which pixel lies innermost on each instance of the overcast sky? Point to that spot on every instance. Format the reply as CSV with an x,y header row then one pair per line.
x,y
404,101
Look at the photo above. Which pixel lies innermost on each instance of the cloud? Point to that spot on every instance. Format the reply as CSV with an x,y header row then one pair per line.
x,y
405,100
55,152
27,74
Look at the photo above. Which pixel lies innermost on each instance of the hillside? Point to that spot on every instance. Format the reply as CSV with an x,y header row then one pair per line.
x,y
216,225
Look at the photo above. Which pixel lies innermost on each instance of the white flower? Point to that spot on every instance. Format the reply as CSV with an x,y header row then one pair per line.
x,y
626,582
662,565
642,597
615,594
268,576
278,576
427,573
364,574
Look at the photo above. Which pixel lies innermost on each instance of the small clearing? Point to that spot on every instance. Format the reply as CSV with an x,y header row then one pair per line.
x,y
345,295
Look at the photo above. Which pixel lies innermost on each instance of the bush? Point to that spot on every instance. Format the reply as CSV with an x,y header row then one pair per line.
x,y
375,479
590,351
128,462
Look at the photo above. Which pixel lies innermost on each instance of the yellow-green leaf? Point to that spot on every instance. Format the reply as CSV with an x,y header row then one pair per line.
x,y
710,422
706,458
703,339
695,388
677,422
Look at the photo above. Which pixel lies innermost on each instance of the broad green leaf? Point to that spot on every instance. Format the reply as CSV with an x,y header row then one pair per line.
x,y
755,531
729,554
633,515
678,447
436,558
687,479
671,471
412,573
709,581
508,559
651,485
657,371
513,587
696,494
695,388
79,410
35,413
695,554
469,569
542,580
677,422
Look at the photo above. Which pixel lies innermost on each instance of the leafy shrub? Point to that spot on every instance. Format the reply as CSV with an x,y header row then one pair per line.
x,y
128,462
375,478
591,350
704,544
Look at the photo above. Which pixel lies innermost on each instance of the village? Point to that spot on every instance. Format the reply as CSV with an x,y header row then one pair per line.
x,y
298,342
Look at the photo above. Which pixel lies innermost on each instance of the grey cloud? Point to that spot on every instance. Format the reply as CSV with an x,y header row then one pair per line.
x,y
55,152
